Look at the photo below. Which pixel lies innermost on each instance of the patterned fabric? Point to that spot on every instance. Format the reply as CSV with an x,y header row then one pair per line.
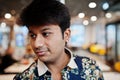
x,y
87,70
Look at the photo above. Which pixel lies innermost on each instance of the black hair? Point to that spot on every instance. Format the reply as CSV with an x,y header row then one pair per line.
x,y
43,12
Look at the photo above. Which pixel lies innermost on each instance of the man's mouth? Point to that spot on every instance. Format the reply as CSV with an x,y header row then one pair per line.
x,y
40,53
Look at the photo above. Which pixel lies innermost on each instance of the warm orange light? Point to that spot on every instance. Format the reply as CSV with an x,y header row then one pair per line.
x,y
117,66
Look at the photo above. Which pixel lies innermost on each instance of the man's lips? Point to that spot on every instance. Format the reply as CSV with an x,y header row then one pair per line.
x,y
40,53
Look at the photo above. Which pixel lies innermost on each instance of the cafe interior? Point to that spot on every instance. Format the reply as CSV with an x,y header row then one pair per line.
x,y
95,27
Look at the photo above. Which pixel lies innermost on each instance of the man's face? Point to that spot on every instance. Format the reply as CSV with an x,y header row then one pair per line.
x,y
47,42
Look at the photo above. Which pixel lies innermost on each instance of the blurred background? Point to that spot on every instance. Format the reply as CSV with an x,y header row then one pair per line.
x,y
95,26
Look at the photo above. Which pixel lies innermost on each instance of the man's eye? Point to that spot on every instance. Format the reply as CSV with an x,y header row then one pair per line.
x,y
32,36
46,34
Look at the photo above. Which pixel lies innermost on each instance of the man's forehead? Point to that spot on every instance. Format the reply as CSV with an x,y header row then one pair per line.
x,y
43,28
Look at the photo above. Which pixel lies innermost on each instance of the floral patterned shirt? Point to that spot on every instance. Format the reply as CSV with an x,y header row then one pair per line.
x,y
86,70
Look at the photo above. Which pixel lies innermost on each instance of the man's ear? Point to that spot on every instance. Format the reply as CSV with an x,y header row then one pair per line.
x,y
67,34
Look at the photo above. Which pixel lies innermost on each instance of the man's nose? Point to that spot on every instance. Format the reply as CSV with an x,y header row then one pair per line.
x,y
39,41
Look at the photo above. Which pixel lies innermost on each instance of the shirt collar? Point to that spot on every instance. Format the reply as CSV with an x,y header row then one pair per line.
x,y
42,68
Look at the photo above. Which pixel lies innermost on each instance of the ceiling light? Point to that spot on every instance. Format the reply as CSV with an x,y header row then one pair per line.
x,y
3,24
108,15
7,16
105,6
81,15
85,22
93,18
92,5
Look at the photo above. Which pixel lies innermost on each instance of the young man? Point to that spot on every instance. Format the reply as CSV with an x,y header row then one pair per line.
x,y
48,23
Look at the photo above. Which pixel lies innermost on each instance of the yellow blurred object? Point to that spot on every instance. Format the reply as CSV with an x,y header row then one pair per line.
x,y
117,66
101,51
93,48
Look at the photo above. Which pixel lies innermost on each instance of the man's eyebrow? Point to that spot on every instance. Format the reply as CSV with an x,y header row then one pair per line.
x,y
46,29
30,31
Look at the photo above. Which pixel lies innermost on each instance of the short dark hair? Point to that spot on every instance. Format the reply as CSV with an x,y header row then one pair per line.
x,y
43,12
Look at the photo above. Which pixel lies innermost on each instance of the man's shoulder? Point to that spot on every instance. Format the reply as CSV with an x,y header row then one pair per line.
x,y
30,71
83,62
88,67
84,59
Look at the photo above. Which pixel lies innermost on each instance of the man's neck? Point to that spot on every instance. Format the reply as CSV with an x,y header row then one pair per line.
x,y
59,64
56,67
